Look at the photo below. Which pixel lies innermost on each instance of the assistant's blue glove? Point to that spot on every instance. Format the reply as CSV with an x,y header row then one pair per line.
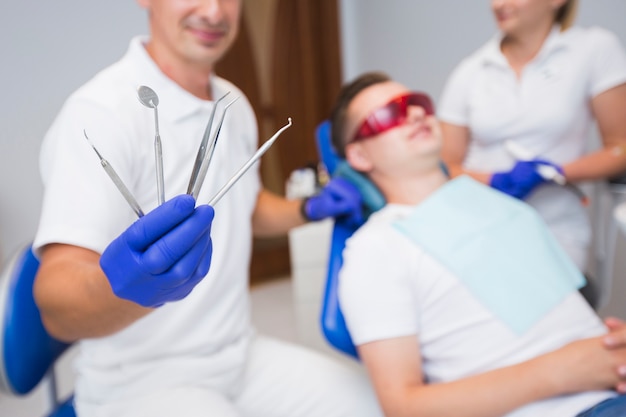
x,y
339,198
520,181
163,255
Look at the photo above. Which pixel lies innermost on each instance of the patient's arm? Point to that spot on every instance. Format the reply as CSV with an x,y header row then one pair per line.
x,y
395,368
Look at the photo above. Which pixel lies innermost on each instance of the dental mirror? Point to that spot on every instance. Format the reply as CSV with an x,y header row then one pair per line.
x,y
149,98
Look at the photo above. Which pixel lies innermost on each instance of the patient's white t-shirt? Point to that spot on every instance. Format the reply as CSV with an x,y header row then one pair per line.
x,y
389,287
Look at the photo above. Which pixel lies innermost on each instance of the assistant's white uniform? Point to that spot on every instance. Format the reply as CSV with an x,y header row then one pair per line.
x,y
546,110
390,287
199,356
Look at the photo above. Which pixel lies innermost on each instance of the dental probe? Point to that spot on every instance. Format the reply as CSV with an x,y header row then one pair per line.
x,y
258,154
108,168
204,167
203,147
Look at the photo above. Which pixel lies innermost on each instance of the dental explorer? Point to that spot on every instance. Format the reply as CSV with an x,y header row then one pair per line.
x,y
108,168
204,167
203,147
258,154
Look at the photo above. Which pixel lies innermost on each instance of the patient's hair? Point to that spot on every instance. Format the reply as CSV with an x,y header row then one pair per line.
x,y
345,97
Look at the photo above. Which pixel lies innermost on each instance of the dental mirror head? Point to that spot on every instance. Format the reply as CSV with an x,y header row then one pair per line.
x,y
147,96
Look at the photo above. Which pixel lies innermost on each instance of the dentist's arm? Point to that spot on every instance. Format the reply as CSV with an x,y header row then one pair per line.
x,y
275,215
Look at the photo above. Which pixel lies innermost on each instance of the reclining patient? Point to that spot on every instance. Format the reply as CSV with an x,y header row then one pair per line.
x,y
459,301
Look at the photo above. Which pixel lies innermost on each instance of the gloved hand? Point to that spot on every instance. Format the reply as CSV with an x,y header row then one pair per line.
x,y
163,255
522,179
339,198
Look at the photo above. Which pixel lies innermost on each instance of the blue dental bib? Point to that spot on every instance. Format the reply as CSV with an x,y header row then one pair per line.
x,y
498,247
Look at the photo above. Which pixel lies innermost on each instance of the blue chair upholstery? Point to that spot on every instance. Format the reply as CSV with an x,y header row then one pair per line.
x,y
331,318
27,351
336,166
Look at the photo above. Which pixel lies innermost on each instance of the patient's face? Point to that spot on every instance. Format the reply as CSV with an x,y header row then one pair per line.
x,y
417,139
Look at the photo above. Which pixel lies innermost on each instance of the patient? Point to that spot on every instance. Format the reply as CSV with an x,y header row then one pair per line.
x,y
458,300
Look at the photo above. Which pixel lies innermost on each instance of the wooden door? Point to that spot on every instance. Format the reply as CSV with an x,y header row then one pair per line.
x,y
287,61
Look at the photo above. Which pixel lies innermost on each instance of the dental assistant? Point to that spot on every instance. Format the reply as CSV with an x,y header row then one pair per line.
x,y
159,305
540,84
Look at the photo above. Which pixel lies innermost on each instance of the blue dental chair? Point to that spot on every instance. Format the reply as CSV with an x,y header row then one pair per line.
x,y
331,318
27,351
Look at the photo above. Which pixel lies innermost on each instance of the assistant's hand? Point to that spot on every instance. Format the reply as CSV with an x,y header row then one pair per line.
x,y
339,198
163,255
522,179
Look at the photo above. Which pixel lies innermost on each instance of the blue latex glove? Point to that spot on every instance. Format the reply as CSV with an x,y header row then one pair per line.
x,y
163,255
520,181
339,198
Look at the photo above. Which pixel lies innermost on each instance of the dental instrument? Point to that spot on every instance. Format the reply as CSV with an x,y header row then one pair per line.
x,y
258,154
548,172
203,147
149,98
108,168
206,161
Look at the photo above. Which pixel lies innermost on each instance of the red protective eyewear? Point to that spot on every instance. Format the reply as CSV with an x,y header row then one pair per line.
x,y
392,114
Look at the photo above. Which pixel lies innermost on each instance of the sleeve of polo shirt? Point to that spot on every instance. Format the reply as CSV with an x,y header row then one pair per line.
x,y
453,105
375,294
81,205
608,62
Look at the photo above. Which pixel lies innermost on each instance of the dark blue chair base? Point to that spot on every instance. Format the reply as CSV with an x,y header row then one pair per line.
x,y
66,409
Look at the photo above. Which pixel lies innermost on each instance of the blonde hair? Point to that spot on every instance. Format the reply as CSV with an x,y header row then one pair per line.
x,y
566,14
